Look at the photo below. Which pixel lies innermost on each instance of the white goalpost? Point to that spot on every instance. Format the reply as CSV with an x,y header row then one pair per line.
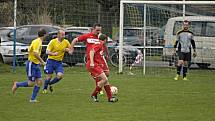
x,y
147,15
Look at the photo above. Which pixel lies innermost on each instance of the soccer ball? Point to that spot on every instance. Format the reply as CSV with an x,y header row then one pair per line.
x,y
114,90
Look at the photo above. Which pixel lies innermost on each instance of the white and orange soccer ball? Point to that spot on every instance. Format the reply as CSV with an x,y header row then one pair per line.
x,y
114,90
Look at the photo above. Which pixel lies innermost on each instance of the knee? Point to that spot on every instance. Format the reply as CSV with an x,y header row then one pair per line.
x,y
105,80
30,84
186,64
59,76
48,77
107,74
39,82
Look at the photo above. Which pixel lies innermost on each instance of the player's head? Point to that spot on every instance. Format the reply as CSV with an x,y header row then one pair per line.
x,y
60,34
42,33
186,25
103,37
97,28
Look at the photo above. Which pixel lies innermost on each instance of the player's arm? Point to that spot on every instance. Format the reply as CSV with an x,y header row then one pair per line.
x,y
194,47
68,48
49,48
51,53
74,41
36,49
39,58
92,53
176,43
106,52
77,39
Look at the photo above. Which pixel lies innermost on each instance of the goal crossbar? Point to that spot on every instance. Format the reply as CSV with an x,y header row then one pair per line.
x,y
169,2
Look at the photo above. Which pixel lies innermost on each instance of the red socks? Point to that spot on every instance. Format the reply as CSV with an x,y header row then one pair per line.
x,y
97,80
108,91
96,91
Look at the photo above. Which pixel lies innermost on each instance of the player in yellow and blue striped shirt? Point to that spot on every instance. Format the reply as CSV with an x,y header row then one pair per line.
x,y
33,67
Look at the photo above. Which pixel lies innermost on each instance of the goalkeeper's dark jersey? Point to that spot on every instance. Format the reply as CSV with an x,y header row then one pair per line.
x,y
184,40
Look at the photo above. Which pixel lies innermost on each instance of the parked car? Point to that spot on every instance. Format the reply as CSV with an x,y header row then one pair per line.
x,y
6,52
24,35
80,29
5,30
134,36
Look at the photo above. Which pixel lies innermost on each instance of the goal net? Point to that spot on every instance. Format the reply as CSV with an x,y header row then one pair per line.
x,y
148,29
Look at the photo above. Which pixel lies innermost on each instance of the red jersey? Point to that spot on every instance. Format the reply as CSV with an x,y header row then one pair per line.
x,y
99,53
89,40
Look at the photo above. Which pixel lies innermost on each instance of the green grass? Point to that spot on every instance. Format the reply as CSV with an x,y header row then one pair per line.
x,y
141,98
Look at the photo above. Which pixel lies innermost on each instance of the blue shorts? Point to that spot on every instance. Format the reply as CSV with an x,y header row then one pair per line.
x,y
33,71
53,65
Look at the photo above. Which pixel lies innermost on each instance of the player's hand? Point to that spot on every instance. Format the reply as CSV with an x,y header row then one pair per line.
x,y
67,50
42,63
107,57
70,52
92,65
194,54
55,53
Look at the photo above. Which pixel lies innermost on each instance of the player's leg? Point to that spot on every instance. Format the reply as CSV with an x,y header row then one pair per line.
x,y
130,69
107,73
103,80
59,75
107,87
185,67
48,70
97,79
38,82
109,93
30,72
46,83
179,65
36,90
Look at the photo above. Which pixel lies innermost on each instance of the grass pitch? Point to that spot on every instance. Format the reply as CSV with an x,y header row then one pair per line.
x,y
141,98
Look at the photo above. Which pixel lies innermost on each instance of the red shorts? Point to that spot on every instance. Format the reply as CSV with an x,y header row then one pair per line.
x,y
96,71
104,66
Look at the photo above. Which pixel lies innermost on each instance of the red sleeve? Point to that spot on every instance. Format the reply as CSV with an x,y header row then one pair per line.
x,y
83,38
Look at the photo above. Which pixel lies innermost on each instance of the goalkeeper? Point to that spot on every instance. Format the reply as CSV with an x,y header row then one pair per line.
x,y
184,41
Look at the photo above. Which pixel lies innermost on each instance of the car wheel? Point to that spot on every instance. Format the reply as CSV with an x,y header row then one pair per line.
x,y
203,65
115,60
1,59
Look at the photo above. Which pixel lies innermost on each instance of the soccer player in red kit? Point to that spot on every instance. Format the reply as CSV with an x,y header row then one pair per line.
x,y
90,39
95,60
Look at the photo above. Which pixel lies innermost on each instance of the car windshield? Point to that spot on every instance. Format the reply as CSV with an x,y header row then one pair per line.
x,y
4,31
131,32
69,35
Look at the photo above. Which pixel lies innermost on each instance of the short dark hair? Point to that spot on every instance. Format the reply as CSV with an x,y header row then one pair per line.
x,y
103,37
96,24
186,21
41,32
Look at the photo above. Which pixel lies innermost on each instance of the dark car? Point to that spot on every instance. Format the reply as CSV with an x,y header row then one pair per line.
x,y
134,36
25,34
79,52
